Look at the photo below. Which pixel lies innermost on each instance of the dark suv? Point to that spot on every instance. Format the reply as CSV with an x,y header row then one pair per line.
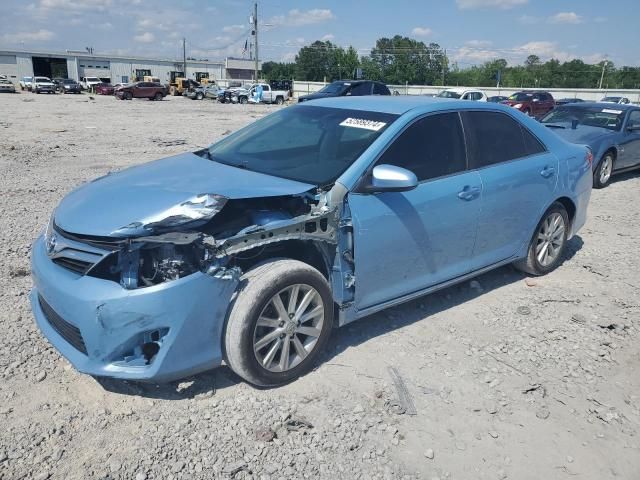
x,y
343,88
534,104
67,85
150,90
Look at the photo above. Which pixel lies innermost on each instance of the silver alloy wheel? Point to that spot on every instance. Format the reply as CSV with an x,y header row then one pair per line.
x,y
606,169
288,328
550,239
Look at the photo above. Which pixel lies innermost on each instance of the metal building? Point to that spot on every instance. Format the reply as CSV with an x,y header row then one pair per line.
x,y
113,68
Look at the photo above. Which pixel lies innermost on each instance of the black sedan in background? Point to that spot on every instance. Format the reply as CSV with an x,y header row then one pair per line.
x,y
497,99
67,85
344,88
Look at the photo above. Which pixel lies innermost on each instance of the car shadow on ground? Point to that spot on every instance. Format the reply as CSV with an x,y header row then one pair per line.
x,y
206,384
624,176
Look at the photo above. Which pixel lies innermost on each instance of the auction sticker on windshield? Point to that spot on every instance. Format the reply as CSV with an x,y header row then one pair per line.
x,y
616,112
362,123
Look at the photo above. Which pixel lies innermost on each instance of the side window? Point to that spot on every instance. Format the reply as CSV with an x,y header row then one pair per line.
x,y
634,119
532,146
363,88
431,147
379,89
493,137
475,96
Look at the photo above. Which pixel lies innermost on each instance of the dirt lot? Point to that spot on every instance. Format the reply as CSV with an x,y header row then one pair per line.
x,y
511,377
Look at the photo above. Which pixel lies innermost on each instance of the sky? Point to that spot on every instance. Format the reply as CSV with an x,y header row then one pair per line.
x,y
472,31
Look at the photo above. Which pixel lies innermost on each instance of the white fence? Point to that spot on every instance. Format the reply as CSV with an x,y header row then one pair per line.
x,y
304,88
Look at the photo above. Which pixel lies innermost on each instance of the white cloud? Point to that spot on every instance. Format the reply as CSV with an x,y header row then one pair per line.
x,y
544,49
421,31
297,18
327,37
146,37
18,37
75,4
235,28
565,17
478,43
502,4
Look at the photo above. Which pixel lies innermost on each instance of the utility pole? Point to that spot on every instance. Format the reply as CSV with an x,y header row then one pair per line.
x,y
255,32
444,65
604,66
184,56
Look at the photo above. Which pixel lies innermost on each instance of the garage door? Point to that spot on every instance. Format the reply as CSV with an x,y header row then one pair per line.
x,y
9,67
94,68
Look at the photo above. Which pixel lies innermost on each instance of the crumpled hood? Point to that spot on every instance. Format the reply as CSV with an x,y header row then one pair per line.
x,y
583,134
106,205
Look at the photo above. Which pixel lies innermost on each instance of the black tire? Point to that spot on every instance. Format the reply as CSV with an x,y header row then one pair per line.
x,y
199,96
257,287
600,179
244,100
157,97
127,96
279,100
530,264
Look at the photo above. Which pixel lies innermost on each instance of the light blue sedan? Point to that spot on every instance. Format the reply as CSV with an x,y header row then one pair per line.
x,y
611,131
250,251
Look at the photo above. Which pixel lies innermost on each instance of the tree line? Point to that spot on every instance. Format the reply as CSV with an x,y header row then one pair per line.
x,y
401,60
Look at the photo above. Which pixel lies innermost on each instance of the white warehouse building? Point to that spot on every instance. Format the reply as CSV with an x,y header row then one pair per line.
x,y
16,64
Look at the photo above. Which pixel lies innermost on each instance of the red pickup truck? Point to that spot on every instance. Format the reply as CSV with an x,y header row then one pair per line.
x,y
150,90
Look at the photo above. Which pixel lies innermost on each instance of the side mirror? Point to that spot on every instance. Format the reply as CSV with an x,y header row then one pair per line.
x,y
389,178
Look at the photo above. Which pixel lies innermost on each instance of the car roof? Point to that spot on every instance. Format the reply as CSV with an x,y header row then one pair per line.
x,y
616,106
396,104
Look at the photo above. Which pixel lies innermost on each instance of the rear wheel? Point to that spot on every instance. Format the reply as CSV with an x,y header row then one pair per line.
x,y
244,100
279,322
127,96
279,100
603,172
199,96
157,97
548,243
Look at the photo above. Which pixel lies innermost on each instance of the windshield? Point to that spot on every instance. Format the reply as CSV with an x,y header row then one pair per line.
x,y
335,87
611,99
304,143
520,97
608,118
69,81
449,94
42,79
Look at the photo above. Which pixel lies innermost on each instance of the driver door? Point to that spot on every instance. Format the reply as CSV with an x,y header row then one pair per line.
x,y
407,241
630,142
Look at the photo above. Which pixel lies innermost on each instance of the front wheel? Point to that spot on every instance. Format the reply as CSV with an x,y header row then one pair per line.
x,y
279,322
199,96
244,100
157,97
603,172
548,243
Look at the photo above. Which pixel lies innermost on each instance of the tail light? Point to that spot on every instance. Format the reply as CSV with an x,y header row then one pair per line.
x,y
589,157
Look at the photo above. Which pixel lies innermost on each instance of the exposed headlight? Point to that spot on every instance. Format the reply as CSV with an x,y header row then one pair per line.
x,y
517,105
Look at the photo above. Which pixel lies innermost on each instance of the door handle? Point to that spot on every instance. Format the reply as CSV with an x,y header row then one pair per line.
x,y
469,193
547,172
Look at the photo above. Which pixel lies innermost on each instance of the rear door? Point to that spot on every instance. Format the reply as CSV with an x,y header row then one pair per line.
x,y
407,241
360,89
519,178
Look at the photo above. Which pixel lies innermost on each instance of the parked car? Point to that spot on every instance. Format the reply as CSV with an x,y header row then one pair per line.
x,y
250,250
88,83
612,133
344,88
6,86
104,89
150,90
205,91
265,93
620,100
497,99
463,94
67,85
564,101
43,85
534,104
25,83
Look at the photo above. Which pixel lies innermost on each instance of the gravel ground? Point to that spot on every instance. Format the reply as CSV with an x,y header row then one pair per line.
x,y
511,377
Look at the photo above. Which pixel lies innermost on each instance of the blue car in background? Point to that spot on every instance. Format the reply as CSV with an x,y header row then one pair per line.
x,y
251,250
611,131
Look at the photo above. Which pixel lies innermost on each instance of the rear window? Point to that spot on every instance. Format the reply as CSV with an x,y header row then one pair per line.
x,y
448,94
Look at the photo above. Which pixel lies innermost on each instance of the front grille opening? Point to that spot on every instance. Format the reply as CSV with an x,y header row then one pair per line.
x,y
78,266
67,331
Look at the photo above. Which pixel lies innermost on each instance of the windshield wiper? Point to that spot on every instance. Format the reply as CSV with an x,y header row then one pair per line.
x,y
554,125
